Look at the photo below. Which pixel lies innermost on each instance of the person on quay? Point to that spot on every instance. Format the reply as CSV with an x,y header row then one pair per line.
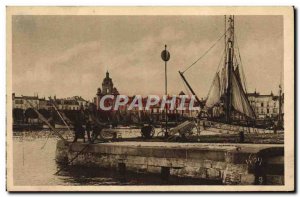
x,y
79,130
88,129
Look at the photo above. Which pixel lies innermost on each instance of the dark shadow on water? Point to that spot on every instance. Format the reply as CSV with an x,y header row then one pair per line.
x,y
77,175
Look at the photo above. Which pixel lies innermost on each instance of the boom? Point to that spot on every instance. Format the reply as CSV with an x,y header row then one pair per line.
x,y
190,88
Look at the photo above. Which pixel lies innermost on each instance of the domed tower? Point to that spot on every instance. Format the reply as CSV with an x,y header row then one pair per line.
x,y
107,89
107,85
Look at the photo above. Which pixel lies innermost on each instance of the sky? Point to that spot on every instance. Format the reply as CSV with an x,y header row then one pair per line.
x,y
69,55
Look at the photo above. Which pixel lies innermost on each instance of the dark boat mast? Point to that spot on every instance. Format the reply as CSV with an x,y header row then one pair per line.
x,y
230,49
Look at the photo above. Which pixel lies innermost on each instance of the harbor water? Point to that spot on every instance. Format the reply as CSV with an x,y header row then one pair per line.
x,y
34,165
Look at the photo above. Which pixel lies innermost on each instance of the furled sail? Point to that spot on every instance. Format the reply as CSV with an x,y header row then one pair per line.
x,y
238,76
223,80
239,98
214,93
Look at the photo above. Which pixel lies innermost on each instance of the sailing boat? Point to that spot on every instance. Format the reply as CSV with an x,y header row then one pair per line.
x,y
227,99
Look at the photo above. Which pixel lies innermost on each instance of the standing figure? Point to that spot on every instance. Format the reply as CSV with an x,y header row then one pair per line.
x,y
88,128
96,132
79,130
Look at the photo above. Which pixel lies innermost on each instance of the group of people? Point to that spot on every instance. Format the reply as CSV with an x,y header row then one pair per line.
x,y
86,127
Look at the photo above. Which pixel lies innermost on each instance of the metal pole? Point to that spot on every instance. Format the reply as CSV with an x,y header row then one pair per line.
x,y
165,55
166,93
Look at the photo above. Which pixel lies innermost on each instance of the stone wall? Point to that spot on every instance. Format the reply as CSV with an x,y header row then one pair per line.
x,y
226,164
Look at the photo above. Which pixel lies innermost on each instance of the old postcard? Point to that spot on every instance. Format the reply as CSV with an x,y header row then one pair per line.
x,y
150,99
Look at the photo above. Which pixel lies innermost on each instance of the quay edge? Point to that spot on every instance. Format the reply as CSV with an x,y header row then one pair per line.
x,y
230,164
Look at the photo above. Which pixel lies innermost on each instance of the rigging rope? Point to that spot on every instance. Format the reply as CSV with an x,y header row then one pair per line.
x,y
185,86
206,51
243,74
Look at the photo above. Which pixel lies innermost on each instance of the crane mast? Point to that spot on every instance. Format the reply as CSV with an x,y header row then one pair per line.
x,y
190,88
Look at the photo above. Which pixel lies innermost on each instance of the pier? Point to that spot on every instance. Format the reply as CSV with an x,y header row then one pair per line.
x,y
229,164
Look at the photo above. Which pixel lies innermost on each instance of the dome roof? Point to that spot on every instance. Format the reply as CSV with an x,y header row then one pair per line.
x,y
107,79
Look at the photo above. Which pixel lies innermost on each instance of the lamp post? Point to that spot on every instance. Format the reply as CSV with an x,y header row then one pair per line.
x,y
165,56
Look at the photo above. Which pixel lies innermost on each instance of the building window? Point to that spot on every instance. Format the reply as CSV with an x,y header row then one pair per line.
x,y
262,104
19,101
268,111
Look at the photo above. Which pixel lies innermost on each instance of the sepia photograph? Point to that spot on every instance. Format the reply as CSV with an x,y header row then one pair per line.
x,y
150,99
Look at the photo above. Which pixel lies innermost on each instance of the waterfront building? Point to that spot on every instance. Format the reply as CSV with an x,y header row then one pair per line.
x,y
22,111
265,105
24,114
67,104
22,102
73,103
82,102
